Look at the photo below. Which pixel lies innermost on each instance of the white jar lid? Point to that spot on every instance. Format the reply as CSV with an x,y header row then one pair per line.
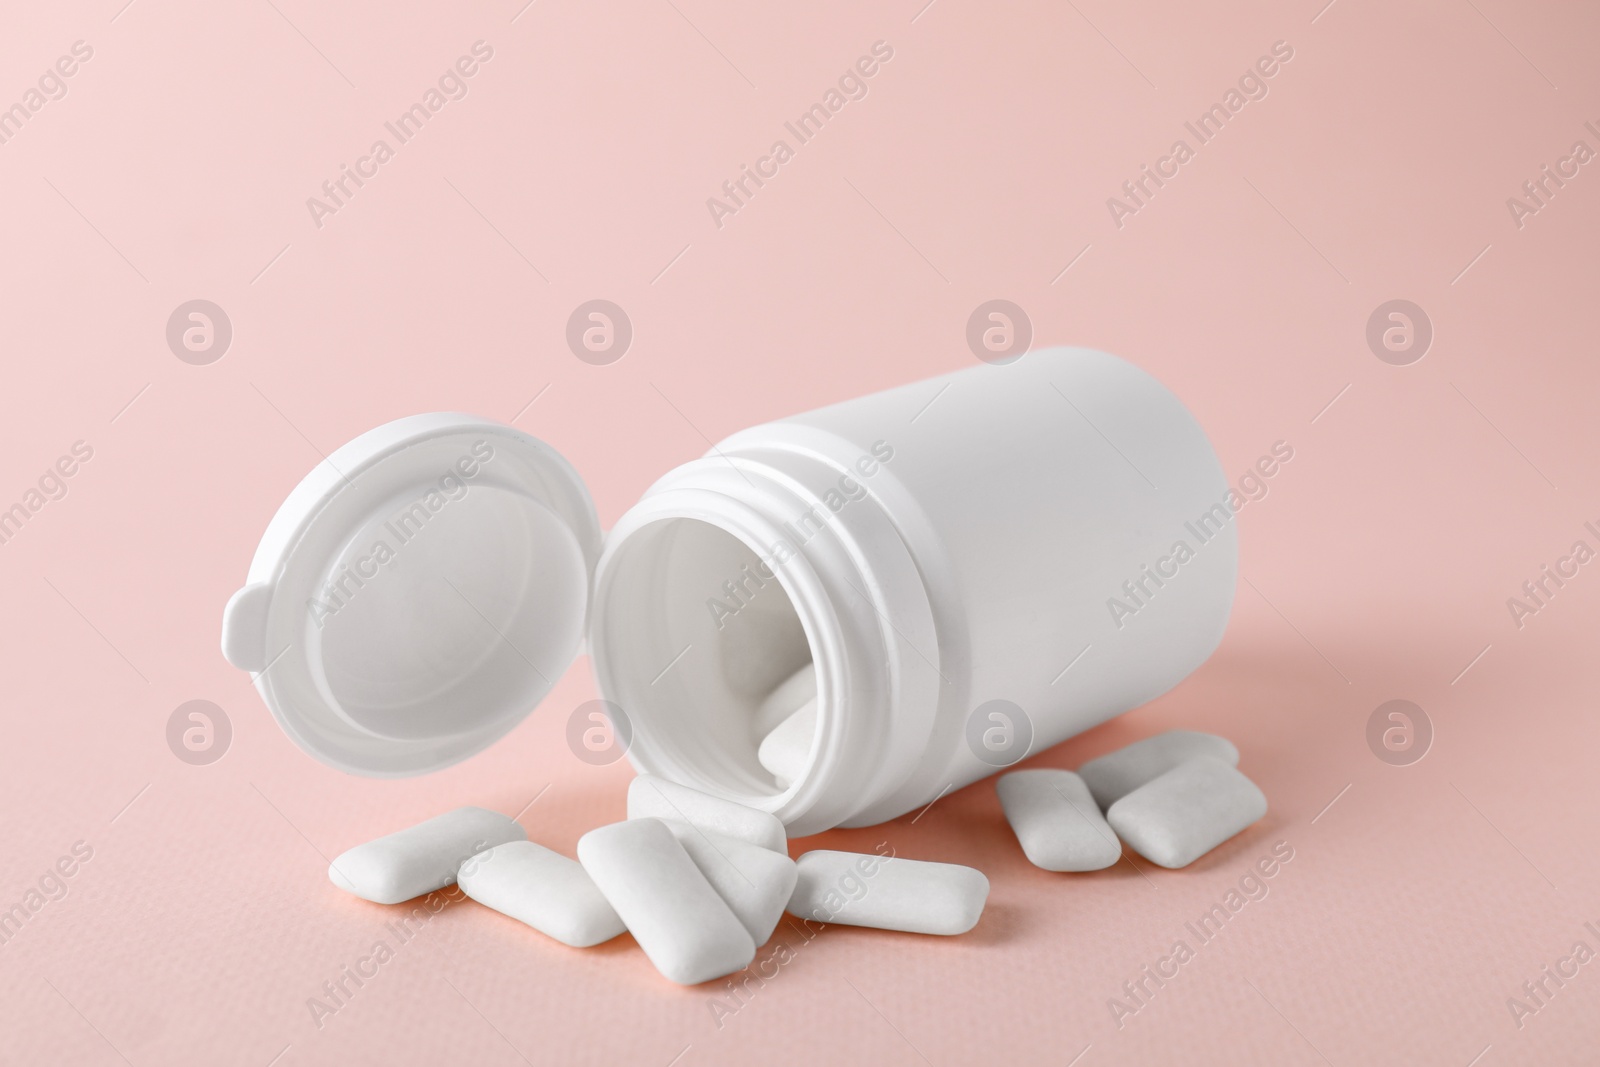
x,y
417,594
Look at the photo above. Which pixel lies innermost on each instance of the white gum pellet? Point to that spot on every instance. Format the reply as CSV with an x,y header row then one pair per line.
x,y
687,930
1187,812
650,797
888,893
786,750
1116,774
421,858
1057,821
754,882
546,890
786,699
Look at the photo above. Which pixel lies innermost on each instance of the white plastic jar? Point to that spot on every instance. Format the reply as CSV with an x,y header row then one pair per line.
x,y
979,566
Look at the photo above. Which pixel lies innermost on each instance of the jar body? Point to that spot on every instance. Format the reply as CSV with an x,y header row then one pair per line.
x,y
979,565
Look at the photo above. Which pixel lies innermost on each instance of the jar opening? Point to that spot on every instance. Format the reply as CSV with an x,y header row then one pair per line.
x,y
697,629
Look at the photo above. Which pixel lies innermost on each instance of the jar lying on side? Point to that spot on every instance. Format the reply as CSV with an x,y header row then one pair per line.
x,y
975,567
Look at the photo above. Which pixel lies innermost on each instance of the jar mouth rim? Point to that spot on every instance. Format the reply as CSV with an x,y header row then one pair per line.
x,y
812,801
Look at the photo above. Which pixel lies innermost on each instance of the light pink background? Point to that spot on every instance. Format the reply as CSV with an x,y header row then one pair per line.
x,y
178,166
